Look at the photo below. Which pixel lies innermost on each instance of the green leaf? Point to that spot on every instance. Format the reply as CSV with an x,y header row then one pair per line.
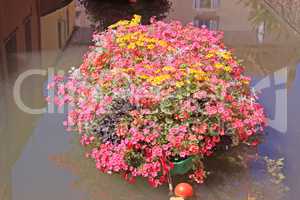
x,y
169,121
213,133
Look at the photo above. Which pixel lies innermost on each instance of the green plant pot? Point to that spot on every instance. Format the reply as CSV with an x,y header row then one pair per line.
x,y
182,167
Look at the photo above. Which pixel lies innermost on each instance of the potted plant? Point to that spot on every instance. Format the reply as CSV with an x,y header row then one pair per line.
x,y
149,100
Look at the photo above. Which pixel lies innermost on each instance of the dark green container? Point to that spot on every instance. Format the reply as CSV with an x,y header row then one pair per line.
x,y
182,167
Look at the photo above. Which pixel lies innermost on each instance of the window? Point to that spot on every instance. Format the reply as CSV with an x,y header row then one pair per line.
x,y
2,70
62,33
68,22
11,53
261,33
215,3
3,112
211,4
212,24
28,36
59,34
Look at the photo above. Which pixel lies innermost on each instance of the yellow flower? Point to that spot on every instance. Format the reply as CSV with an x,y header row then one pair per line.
x,y
128,69
162,43
224,54
200,77
227,69
148,66
140,43
136,33
160,79
206,78
127,37
122,45
210,55
150,40
143,76
157,71
188,81
219,65
227,56
131,46
179,84
246,82
138,59
150,46
136,19
169,68
196,65
199,74
119,40
119,23
196,71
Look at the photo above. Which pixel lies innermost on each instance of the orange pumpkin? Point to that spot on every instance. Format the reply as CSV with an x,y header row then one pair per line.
x,y
184,190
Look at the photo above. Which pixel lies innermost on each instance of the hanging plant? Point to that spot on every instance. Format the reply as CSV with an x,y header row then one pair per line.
x,y
150,100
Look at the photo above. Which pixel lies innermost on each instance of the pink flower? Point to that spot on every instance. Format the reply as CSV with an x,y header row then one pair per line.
x,y
200,94
220,108
238,124
157,152
211,110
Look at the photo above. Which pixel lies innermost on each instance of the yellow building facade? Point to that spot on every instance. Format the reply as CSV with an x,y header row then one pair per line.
x,y
56,30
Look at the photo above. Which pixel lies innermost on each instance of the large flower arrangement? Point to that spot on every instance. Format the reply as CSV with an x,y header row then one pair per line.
x,y
146,96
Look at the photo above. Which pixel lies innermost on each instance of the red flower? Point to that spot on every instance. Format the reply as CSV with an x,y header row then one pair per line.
x,y
200,129
194,149
255,143
182,116
198,176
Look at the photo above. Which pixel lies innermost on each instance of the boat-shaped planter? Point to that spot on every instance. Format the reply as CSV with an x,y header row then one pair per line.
x,y
182,167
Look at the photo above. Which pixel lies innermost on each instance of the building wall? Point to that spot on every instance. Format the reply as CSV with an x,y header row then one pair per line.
x,y
53,40
233,18
2,69
12,20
